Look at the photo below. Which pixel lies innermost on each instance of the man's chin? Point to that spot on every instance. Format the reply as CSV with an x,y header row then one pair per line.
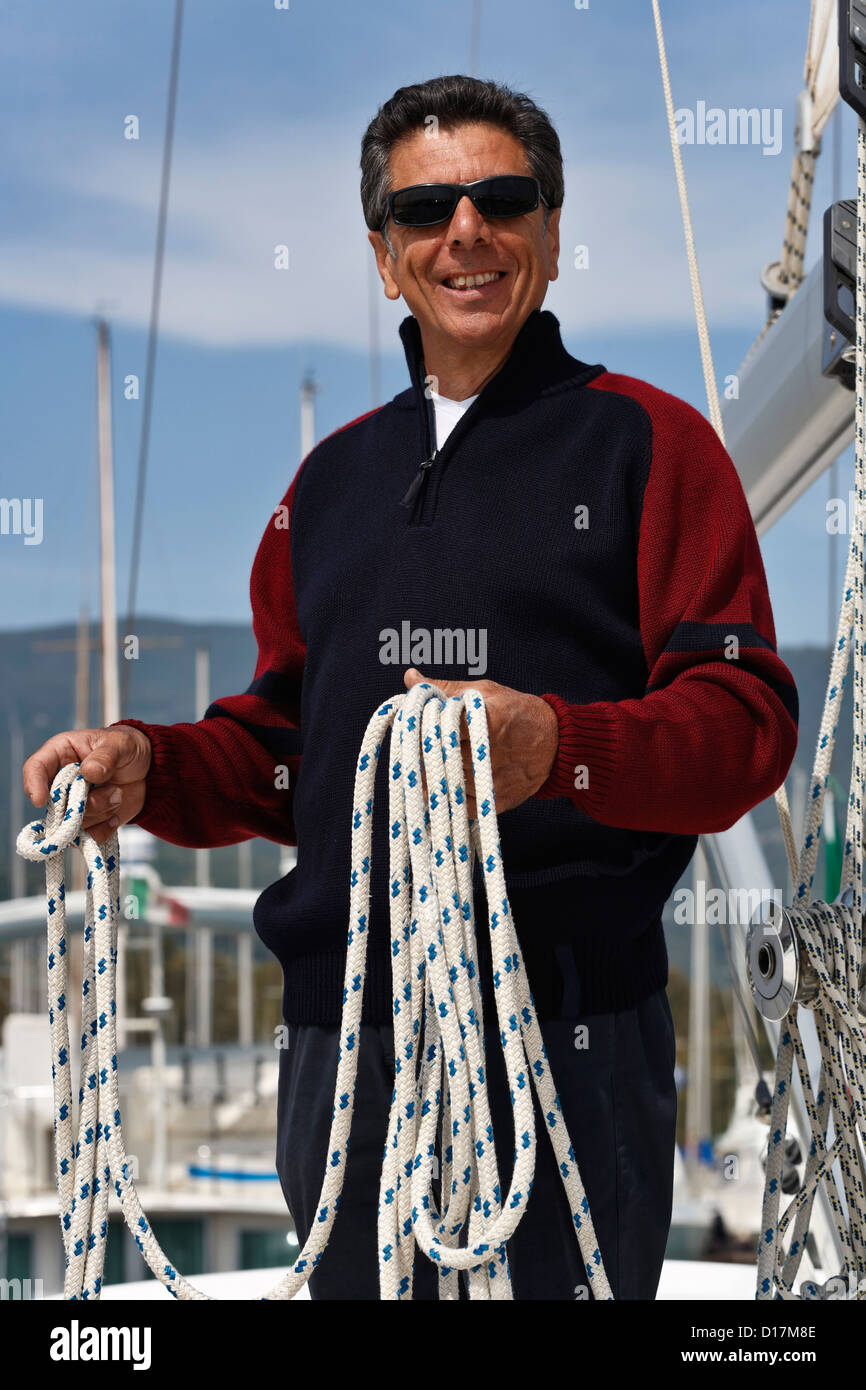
x,y
471,324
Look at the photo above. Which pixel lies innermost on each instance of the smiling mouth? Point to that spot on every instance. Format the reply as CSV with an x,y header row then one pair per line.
x,y
473,282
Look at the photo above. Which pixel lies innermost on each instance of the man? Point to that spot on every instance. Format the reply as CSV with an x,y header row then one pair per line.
x,y
577,545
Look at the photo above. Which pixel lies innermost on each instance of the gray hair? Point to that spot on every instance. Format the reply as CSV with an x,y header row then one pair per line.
x,y
451,102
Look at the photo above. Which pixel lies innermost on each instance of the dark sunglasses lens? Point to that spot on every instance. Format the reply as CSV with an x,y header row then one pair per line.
x,y
422,207
507,197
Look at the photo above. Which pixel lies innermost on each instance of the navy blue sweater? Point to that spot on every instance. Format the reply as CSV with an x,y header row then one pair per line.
x,y
581,536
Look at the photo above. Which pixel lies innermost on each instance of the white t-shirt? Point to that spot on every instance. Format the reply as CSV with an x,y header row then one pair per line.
x,y
448,412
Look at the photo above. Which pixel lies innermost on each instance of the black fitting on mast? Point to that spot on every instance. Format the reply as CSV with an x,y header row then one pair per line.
x,y
852,54
840,219
840,281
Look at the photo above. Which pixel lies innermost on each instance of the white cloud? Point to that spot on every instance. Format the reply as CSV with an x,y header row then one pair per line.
x,y
231,205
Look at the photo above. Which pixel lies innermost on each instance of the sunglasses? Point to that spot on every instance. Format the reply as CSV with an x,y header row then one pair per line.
x,y
426,204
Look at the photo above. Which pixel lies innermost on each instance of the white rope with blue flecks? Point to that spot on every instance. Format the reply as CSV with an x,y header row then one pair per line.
x,y
440,1086
831,935
438,1019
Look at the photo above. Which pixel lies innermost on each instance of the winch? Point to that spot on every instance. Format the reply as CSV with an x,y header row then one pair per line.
x,y
779,970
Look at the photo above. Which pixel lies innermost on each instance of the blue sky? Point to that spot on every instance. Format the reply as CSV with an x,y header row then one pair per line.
x,y
272,105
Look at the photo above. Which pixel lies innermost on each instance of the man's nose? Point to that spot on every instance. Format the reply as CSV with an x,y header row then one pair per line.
x,y
466,224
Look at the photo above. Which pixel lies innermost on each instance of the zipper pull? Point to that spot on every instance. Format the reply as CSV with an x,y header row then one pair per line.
x,y
423,469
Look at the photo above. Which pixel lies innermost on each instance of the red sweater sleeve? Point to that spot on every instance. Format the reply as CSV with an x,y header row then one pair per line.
x,y
716,729
224,779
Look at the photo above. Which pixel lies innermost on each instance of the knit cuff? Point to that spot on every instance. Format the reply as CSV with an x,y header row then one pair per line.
x,y
161,783
587,739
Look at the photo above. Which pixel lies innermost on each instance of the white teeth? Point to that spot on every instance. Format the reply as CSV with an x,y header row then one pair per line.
x,y
468,282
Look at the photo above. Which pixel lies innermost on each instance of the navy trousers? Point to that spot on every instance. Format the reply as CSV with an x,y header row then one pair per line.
x,y
614,1074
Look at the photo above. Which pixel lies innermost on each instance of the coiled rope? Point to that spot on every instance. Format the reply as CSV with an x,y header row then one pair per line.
x,y
831,936
439,1044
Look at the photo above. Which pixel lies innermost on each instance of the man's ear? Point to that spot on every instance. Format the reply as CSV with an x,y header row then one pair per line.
x,y
385,262
552,241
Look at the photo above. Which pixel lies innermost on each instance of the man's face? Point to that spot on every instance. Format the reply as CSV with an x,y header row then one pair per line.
x,y
427,257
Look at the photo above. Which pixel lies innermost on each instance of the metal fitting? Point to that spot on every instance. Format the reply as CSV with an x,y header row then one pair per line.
x,y
779,971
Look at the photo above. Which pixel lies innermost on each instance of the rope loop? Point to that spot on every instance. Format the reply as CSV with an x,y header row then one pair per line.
x,y
43,840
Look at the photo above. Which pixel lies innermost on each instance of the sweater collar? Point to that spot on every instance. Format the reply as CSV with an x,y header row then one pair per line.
x,y
537,359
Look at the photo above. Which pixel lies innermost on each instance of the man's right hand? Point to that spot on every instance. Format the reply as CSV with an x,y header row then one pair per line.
x,y
116,761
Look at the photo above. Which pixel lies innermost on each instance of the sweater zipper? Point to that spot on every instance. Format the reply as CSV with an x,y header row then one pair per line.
x,y
416,493
418,481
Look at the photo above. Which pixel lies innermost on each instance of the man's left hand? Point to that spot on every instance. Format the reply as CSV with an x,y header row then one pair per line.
x,y
524,736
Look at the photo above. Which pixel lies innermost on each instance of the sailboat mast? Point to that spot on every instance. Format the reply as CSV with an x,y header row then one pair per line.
x,y
474,38
308,414
17,879
202,700
110,688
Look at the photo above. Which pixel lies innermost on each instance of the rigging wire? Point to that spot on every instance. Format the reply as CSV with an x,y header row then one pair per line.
x,y
714,410
152,339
